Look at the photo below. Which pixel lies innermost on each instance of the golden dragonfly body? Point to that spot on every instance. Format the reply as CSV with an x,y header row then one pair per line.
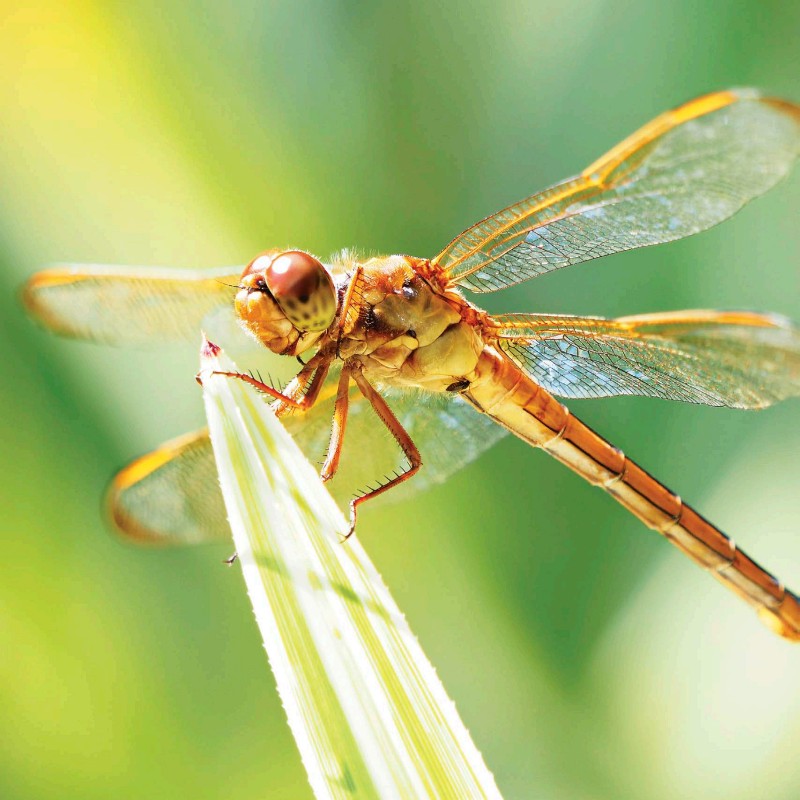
x,y
402,322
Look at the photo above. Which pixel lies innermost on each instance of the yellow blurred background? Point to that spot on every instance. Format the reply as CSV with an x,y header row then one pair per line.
x,y
588,658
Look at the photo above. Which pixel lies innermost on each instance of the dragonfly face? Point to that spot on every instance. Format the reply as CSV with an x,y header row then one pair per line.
x,y
400,321
286,300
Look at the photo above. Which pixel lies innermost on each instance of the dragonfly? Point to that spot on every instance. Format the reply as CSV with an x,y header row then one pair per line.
x,y
393,354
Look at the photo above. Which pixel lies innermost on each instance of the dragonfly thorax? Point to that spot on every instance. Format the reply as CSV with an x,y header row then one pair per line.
x,y
409,334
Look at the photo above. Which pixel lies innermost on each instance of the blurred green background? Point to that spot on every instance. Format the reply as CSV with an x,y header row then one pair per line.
x,y
588,658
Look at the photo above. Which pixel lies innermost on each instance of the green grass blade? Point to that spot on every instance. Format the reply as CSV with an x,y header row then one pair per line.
x,y
369,714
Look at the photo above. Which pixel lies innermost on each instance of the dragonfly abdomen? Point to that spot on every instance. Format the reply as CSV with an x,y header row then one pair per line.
x,y
518,403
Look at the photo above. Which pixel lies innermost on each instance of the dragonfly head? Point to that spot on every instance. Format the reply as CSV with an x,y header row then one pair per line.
x,y
287,299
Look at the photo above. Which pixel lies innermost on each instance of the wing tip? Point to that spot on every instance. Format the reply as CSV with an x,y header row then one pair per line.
x,y
122,522
125,526
33,298
786,107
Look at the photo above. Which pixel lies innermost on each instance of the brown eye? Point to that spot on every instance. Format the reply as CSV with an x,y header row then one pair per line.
x,y
303,289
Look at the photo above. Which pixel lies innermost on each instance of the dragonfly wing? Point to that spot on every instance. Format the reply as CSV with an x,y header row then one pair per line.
x,y
122,305
736,359
172,496
684,172
448,432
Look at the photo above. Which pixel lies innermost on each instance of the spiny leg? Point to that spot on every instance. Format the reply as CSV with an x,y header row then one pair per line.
x,y
304,392
297,386
401,437
337,426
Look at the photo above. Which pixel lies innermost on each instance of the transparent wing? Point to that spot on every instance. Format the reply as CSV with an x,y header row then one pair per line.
x,y
121,305
685,171
172,496
736,359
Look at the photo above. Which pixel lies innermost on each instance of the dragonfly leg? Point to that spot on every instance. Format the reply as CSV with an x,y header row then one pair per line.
x,y
302,392
300,386
401,437
338,426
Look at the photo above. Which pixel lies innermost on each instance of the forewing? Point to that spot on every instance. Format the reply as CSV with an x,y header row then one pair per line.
x,y
736,359
685,171
121,305
172,496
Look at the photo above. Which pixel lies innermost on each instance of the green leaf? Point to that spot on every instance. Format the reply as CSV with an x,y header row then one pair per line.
x,y
367,710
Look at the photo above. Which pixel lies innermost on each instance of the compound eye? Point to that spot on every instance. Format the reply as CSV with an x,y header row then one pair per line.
x,y
303,289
